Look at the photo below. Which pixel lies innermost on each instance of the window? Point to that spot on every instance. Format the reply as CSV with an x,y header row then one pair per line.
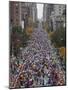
x,y
11,20
16,11
16,4
59,9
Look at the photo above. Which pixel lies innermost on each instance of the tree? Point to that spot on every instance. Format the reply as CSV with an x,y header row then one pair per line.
x,y
59,37
18,39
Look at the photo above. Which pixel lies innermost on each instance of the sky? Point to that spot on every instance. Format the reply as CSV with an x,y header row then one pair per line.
x,y
40,10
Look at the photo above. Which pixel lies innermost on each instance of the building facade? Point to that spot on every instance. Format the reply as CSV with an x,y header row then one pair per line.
x,y
47,9
57,17
53,15
20,12
14,12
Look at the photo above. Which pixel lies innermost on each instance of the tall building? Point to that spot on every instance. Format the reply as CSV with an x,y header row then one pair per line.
x,y
47,9
58,9
57,17
34,12
53,15
24,12
14,12
20,12
44,12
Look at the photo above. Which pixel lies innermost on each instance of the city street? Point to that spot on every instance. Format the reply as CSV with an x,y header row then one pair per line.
x,y
37,45
38,65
